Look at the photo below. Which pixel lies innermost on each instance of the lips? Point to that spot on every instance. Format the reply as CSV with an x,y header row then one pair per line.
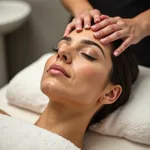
x,y
59,68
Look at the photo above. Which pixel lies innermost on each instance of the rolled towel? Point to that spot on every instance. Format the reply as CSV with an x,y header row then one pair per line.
x,y
20,135
24,89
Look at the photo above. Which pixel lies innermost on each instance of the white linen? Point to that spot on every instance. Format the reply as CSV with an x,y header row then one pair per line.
x,y
95,141
19,135
14,111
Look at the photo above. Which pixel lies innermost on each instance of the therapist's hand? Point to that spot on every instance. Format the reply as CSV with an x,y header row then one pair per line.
x,y
83,21
111,29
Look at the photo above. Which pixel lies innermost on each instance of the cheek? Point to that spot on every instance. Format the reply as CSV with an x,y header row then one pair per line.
x,y
89,82
48,63
92,74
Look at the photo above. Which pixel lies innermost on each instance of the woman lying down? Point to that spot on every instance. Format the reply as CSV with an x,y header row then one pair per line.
x,y
85,83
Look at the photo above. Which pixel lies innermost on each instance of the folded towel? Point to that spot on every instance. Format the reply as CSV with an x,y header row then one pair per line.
x,y
132,120
19,135
24,89
94,141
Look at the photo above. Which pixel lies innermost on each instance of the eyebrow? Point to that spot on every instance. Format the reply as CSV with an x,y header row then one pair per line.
x,y
88,42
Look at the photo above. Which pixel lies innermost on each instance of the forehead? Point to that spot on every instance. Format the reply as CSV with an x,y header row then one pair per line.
x,y
88,35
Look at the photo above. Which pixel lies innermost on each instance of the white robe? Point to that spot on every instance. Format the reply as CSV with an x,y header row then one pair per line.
x,y
19,135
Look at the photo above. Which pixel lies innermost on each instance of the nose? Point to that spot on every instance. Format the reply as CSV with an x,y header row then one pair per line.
x,y
64,55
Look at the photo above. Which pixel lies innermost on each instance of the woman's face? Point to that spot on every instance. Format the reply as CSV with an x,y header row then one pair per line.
x,y
87,64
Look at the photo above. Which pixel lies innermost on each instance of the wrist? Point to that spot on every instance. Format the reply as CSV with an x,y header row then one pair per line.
x,y
144,25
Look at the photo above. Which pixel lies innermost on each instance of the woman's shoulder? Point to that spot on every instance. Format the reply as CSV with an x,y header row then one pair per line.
x,y
3,112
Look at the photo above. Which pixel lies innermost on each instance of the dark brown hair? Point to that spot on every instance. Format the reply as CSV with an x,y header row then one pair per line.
x,y
124,72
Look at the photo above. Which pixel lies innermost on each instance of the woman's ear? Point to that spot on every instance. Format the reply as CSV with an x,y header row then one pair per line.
x,y
112,95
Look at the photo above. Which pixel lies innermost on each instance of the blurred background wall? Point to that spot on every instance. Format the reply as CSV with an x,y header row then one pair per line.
x,y
36,37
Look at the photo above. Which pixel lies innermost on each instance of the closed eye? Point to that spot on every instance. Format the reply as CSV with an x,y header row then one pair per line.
x,y
89,57
55,50
85,55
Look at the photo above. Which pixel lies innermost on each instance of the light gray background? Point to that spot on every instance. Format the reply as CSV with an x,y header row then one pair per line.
x,y
43,29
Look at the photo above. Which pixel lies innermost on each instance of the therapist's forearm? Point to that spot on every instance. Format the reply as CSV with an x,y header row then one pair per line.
x,y
76,7
143,19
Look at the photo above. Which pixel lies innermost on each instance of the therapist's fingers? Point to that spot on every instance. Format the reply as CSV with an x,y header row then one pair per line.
x,y
121,34
114,36
107,30
126,43
69,28
96,15
102,17
87,16
87,22
113,32
105,22
78,24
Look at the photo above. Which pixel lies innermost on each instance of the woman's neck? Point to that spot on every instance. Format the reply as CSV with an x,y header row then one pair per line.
x,y
58,119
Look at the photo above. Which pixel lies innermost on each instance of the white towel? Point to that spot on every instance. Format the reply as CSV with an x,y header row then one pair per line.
x,y
94,141
24,89
19,135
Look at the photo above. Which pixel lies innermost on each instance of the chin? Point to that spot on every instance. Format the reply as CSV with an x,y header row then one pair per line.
x,y
56,93
48,87
54,90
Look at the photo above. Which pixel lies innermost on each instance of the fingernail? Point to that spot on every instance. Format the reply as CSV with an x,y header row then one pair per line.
x,y
104,41
96,34
94,27
87,26
116,53
97,20
102,15
78,28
